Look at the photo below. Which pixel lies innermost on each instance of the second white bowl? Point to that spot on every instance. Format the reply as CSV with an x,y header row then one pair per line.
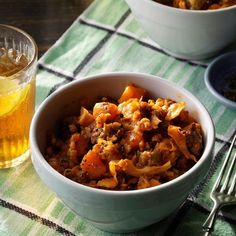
x,y
187,34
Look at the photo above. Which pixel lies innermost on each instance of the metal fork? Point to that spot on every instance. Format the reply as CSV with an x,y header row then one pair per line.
x,y
224,190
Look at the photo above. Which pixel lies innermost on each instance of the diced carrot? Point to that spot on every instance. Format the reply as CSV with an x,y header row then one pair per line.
x,y
103,112
214,6
154,182
78,142
82,146
85,117
93,165
132,91
105,108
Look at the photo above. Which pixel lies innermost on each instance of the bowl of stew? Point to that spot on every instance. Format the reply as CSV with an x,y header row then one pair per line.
x,y
122,150
188,29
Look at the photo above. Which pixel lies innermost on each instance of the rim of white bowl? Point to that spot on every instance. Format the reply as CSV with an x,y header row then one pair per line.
x,y
215,11
207,150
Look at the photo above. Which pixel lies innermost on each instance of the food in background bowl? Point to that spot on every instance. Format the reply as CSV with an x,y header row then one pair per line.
x,y
220,79
117,211
133,143
198,4
187,34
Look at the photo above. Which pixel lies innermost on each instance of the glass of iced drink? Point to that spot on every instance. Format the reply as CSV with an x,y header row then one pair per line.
x,y
18,58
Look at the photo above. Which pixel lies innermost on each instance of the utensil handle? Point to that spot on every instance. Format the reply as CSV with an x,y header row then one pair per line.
x,y
209,223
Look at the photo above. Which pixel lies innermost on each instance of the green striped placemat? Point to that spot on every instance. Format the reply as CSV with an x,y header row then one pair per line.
x,y
106,38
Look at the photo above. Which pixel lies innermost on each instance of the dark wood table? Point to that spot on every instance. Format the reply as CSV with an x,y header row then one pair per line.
x,y
44,20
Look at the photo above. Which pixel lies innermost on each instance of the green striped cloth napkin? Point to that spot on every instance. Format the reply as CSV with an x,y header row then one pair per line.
x,y
107,38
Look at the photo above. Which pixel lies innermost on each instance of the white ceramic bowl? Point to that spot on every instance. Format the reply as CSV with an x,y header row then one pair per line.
x,y
188,34
117,211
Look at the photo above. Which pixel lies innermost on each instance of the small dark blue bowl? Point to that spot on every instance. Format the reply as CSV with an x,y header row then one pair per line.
x,y
220,79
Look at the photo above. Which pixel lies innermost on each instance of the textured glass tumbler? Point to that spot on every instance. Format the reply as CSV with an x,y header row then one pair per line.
x,y
18,58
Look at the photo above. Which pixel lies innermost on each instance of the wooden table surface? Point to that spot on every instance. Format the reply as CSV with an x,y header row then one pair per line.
x,y
44,20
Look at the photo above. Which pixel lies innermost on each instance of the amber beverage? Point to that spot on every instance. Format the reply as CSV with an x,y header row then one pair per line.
x,y
18,57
